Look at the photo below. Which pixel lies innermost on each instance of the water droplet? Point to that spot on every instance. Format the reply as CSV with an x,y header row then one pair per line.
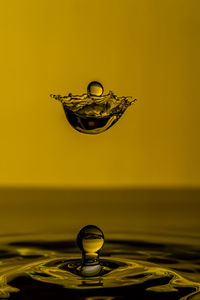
x,y
90,240
95,88
93,112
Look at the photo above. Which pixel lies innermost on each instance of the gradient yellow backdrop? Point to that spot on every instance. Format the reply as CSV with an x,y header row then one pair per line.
x,y
148,49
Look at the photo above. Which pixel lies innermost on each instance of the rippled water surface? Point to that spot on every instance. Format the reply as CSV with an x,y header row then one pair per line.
x,y
38,267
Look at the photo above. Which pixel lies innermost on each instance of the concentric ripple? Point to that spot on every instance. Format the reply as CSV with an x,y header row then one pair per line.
x,y
34,268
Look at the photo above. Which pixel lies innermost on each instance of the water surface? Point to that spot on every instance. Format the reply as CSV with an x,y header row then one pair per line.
x,y
152,244
36,266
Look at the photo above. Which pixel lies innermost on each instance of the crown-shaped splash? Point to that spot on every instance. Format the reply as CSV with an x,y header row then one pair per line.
x,y
93,112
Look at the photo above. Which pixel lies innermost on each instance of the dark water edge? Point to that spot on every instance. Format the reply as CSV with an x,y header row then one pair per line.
x,y
45,291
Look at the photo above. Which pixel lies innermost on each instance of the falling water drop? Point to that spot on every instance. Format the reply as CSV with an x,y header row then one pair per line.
x,y
93,112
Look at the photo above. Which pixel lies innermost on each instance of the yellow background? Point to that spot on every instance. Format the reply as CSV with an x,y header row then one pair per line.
x,y
148,49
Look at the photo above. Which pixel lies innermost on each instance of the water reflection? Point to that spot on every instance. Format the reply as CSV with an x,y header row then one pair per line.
x,y
33,266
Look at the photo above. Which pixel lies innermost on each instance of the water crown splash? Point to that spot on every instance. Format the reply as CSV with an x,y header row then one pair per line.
x,y
93,112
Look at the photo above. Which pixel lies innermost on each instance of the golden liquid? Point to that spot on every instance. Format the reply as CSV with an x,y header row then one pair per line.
x,y
145,48
151,243
93,112
145,269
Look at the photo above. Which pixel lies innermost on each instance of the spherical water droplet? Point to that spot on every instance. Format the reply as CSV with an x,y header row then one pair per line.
x,y
95,88
90,239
